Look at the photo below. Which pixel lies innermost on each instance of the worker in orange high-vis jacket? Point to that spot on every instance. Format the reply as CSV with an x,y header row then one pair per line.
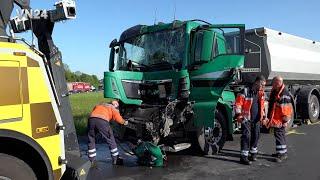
x,y
249,109
279,114
98,122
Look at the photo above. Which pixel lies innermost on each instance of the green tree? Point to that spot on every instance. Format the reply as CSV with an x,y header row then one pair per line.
x,y
80,77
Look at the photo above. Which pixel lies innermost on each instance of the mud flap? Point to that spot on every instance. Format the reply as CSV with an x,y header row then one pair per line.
x,y
77,168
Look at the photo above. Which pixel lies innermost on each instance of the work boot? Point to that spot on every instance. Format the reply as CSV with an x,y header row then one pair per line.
x,y
281,157
244,160
253,157
117,160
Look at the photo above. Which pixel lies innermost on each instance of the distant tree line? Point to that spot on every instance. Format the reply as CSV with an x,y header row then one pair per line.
x,y
80,77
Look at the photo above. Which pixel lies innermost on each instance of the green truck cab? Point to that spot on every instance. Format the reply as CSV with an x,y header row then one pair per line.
x,y
172,81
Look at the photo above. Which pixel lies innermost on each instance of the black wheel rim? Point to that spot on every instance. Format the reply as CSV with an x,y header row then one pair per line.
x,y
314,105
213,135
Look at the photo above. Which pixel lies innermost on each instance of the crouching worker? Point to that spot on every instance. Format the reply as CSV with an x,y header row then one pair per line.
x,y
149,154
249,108
98,122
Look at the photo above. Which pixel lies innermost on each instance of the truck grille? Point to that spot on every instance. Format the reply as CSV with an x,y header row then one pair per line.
x,y
147,90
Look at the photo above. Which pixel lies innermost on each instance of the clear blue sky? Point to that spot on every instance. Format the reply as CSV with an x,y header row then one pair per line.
x,y
84,42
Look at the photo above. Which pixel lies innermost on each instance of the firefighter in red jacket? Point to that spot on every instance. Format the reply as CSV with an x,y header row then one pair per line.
x,y
249,108
279,114
99,120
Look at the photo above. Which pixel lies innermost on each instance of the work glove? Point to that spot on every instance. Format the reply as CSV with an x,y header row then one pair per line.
x,y
285,124
285,121
265,121
125,123
239,118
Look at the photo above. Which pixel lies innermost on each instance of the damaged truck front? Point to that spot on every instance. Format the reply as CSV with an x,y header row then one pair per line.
x,y
172,81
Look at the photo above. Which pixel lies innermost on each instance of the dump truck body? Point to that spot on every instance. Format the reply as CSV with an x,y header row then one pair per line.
x,y
297,60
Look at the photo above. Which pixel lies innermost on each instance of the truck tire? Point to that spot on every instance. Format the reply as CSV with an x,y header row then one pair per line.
x,y
313,108
15,169
211,140
290,123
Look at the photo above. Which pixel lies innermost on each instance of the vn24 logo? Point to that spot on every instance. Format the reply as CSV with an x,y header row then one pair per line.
x,y
32,14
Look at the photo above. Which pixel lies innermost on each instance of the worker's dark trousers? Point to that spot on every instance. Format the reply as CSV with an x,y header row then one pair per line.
x,y
97,125
250,137
280,136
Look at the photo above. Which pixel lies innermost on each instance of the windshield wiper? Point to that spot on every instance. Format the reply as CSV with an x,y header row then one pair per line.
x,y
133,64
139,64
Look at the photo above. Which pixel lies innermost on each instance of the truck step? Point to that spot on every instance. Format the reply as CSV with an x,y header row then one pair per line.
x,y
176,147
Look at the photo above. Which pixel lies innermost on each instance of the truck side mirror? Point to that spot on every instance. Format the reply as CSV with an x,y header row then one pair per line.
x,y
202,47
113,43
207,44
111,59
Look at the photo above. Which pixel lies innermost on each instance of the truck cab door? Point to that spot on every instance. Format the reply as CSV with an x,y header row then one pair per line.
x,y
212,68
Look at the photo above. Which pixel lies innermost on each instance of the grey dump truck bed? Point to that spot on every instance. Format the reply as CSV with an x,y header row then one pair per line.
x,y
270,53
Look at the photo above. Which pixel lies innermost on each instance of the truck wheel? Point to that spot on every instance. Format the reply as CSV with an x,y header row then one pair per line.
x,y
290,123
211,140
313,108
12,168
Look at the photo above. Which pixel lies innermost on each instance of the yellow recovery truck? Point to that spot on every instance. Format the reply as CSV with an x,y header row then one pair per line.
x,y
37,133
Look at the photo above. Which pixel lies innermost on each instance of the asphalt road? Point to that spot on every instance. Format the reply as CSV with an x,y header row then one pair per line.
x,y
303,162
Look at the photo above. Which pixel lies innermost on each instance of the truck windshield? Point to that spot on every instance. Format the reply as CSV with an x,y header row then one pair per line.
x,y
161,50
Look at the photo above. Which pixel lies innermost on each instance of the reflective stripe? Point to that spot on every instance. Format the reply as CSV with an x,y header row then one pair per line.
x,y
250,99
245,153
282,151
281,146
285,97
114,150
91,150
238,110
284,104
93,155
254,150
115,154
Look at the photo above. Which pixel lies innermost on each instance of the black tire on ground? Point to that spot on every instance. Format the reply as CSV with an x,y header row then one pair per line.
x,y
313,108
211,140
15,169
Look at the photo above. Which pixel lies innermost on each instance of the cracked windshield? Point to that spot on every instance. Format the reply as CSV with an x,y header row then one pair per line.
x,y
163,50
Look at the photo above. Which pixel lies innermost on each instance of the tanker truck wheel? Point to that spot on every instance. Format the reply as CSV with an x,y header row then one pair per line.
x,y
12,168
211,140
313,108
